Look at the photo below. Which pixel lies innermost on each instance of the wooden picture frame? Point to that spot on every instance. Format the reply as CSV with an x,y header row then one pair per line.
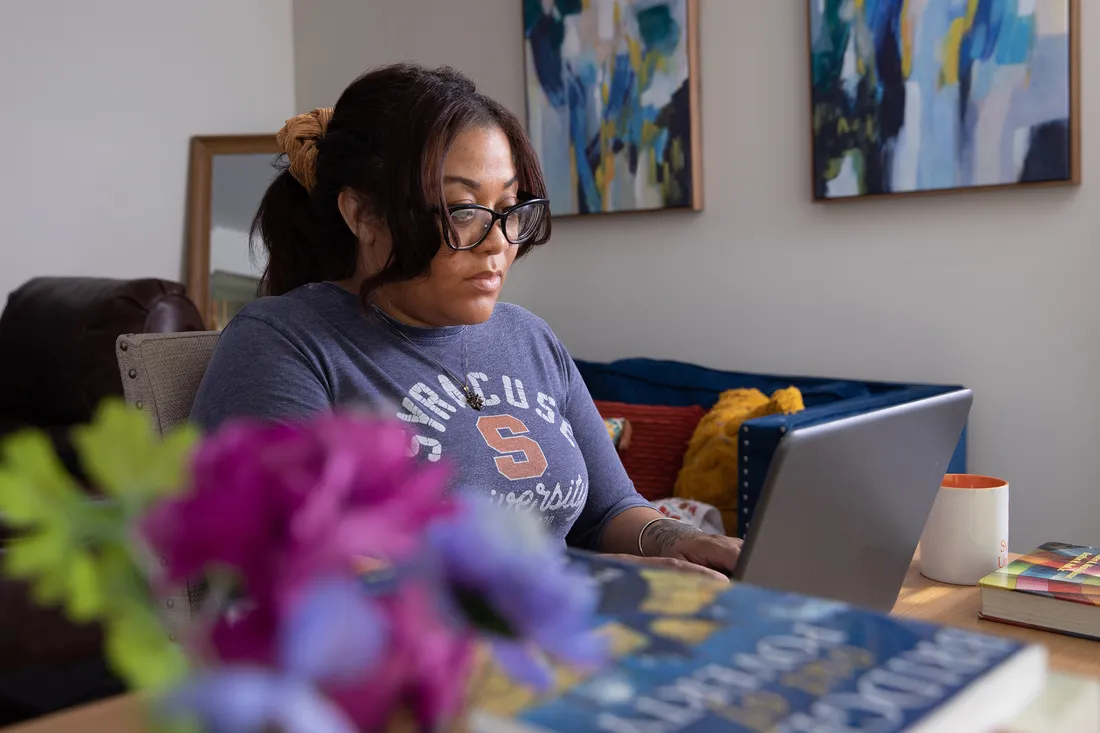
x,y
199,193
679,167
1073,123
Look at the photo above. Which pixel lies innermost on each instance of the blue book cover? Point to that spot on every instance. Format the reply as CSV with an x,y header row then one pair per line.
x,y
695,657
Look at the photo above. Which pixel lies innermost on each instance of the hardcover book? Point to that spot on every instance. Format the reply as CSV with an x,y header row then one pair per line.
x,y
694,656
1056,587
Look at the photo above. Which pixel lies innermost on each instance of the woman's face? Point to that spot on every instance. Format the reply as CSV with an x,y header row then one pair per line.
x,y
463,286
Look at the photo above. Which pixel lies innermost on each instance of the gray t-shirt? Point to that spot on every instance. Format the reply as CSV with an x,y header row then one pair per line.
x,y
538,446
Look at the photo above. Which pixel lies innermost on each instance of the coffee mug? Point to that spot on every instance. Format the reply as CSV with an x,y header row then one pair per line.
x,y
966,535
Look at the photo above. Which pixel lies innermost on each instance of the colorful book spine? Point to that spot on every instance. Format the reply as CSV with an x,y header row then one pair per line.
x,y
1054,570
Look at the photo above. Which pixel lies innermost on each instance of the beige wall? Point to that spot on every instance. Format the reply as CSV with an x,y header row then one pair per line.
x,y
990,290
99,101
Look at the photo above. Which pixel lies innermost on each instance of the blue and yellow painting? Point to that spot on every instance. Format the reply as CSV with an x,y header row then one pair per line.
x,y
610,103
922,95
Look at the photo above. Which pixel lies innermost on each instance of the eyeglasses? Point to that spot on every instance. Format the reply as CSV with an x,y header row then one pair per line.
x,y
471,223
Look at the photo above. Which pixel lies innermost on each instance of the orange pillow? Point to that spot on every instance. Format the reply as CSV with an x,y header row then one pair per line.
x,y
659,439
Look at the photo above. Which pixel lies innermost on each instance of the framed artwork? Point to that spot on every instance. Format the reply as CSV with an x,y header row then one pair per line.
x,y
612,92
941,95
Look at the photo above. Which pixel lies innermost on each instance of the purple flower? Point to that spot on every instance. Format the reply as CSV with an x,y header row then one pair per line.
x,y
284,504
294,509
397,650
506,577
335,634
427,662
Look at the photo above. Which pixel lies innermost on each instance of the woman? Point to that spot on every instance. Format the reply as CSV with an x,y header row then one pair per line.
x,y
388,237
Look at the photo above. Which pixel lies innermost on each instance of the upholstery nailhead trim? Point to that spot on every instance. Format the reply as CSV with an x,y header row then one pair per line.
x,y
132,373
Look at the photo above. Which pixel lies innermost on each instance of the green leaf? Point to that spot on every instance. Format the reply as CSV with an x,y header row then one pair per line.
x,y
141,652
30,453
86,600
44,551
61,572
34,486
126,460
76,552
125,585
20,504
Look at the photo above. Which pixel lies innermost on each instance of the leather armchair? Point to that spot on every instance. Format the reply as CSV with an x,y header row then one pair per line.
x,y
57,362
57,346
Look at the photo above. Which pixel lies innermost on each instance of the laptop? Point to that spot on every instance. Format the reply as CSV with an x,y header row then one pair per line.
x,y
844,503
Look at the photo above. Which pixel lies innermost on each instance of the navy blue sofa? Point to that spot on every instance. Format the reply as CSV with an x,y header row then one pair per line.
x,y
652,382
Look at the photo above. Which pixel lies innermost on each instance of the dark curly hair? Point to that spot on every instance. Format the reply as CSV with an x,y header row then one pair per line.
x,y
389,134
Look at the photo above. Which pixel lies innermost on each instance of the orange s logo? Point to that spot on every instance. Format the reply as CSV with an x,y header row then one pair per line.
x,y
521,456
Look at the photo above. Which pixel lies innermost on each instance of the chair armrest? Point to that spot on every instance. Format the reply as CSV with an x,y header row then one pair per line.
x,y
161,373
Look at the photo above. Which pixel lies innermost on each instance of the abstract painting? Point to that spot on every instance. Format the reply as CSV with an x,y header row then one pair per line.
x,y
612,103
914,96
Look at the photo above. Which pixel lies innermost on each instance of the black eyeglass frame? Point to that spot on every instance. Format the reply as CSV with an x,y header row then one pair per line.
x,y
526,199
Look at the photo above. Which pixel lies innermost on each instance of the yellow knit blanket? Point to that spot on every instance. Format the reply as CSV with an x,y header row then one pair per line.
x,y
710,470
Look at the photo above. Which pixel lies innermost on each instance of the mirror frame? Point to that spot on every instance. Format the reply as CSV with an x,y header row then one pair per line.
x,y
199,189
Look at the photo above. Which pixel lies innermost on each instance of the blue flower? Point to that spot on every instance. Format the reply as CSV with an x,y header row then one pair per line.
x,y
506,577
253,699
333,635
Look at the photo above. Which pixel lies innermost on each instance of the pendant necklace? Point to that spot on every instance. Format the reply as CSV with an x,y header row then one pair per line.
x,y
473,399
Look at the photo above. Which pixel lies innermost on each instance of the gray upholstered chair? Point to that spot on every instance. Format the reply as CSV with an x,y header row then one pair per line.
x,y
161,373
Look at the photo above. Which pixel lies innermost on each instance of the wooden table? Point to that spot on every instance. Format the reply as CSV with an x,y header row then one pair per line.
x,y
920,598
956,605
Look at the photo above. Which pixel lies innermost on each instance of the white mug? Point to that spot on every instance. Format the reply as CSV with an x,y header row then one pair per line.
x,y
966,535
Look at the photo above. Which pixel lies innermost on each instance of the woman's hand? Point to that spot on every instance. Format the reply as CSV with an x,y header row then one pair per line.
x,y
676,540
669,543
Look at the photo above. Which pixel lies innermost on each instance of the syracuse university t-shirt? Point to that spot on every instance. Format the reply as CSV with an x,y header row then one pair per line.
x,y
538,446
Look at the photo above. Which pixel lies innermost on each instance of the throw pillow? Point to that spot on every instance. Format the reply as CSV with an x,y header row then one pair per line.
x,y
620,431
659,438
710,468
695,513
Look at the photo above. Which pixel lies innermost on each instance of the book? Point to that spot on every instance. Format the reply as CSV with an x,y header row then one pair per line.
x,y
1056,588
693,656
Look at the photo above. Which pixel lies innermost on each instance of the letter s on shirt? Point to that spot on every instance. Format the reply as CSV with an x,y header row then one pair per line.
x,y
521,457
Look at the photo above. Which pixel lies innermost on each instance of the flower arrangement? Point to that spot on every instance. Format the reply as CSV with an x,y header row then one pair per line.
x,y
343,587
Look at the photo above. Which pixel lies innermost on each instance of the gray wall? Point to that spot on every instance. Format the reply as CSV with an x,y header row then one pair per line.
x,y
994,290
100,100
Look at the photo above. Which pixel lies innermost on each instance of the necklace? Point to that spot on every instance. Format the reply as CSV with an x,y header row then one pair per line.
x,y
473,399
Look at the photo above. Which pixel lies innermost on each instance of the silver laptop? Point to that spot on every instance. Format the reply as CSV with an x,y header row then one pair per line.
x,y
844,503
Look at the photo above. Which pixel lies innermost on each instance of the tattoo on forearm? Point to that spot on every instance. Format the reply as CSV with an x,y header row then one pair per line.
x,y
660,536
